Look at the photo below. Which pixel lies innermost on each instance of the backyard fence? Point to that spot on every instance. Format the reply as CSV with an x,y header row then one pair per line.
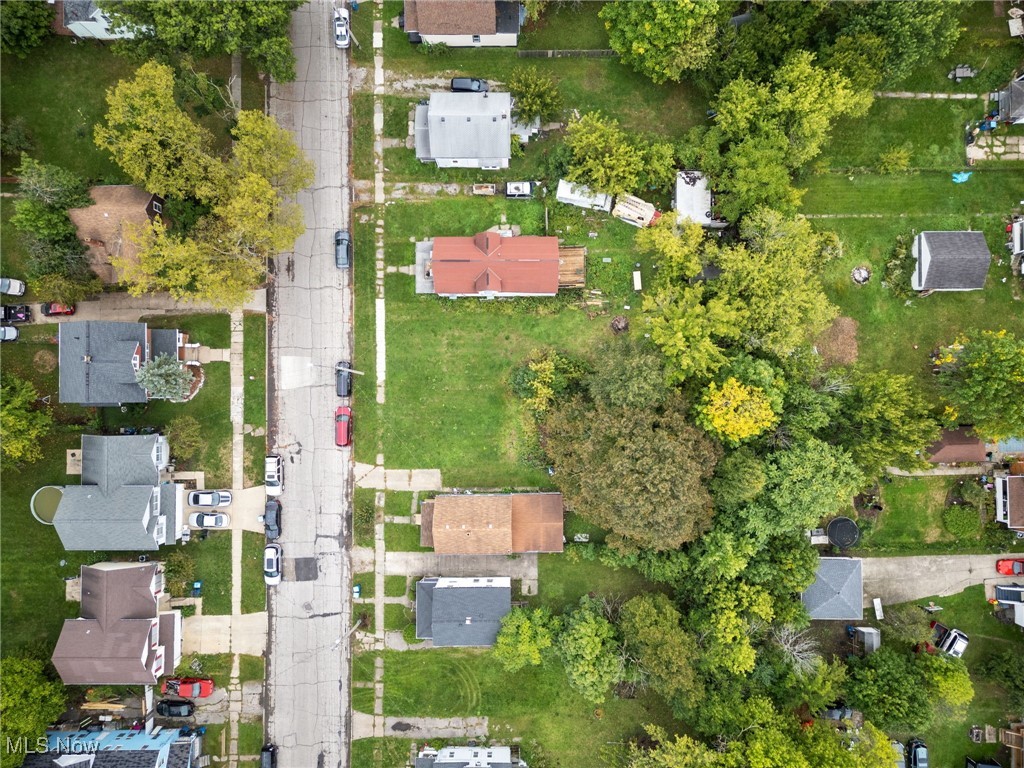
x,y
595,53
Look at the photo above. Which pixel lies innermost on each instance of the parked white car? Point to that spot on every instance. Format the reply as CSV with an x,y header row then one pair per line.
x,y
209,499
342,37
209,520
272,557
12,287
273,478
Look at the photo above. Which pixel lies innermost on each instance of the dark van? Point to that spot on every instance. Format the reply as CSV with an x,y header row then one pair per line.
x,y
342,249
343,378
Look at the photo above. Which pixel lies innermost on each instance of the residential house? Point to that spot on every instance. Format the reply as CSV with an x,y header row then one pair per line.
x,y
492,523
582,197
463,23
1011,597
464,757
99,360
84,19
838,590
490,265
124,501
465,130
1010,501
462,612
692,199
122,637
155,748
950,261
101,226
956,446
1011,101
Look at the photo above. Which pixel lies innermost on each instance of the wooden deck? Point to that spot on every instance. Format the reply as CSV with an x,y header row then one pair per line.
x,y
572,266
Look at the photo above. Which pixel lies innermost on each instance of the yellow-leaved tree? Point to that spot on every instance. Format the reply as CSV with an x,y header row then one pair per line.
x,y
734,411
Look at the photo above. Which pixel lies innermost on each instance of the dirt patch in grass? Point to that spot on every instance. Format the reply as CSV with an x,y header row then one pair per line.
x,y
838,344
44,361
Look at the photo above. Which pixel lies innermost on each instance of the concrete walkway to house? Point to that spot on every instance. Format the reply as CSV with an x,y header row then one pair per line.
x,y
996,146
128,309
901,579
366,726
935,95
375,476
979,469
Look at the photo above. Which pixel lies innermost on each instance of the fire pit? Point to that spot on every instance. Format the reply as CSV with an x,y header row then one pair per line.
x,y
860,275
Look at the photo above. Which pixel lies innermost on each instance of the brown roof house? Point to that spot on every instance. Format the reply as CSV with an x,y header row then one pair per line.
x,y
955,446
1010,501
488,265
122,637
492,523
463,23
101,225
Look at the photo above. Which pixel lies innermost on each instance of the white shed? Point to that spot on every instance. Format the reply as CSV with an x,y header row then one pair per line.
x,y
692,200
582,197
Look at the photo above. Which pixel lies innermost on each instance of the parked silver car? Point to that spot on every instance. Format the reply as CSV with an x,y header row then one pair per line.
x,y
209,520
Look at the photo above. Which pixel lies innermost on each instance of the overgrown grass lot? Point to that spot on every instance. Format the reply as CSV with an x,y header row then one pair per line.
x,y
913,513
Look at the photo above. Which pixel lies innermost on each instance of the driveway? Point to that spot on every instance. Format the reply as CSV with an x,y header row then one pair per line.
x,y
120,307
902,579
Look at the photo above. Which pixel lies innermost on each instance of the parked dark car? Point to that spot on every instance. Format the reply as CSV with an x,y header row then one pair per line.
x,y
268,756
175,708
343,378
342,249
469,85
53,308
272,518
917,751
17,313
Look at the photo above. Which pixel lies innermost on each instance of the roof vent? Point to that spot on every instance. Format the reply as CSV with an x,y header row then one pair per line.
x,y
86,358
469,619
469,119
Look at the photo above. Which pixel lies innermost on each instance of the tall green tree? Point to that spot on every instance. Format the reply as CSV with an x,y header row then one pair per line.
x,y
889,690
65,289
662,39
164,378
602,156
982,375
258,29
638,473
590,651
676,244
535,95
665,654
24,24
153,140
22,424
29,701
51,185
633,375
525,637
884,421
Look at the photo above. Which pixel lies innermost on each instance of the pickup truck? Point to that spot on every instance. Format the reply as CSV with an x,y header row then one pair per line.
x,y
952,641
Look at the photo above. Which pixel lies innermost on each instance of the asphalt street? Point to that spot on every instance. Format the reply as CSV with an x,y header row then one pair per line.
x,y
310,313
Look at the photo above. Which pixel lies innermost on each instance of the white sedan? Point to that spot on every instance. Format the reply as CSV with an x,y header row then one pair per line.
x,y
209,520
209,499
342,38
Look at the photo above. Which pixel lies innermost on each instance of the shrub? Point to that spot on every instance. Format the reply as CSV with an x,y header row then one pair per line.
x,y
14,137
962,521
899,267
434,49
534,94
180,572
185,436
895,159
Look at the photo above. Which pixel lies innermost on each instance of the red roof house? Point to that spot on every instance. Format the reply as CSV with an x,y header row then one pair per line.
x,y
490,265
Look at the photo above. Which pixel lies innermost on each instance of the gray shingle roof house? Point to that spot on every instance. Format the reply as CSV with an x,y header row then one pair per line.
x,y
99,359
459,612
950,261
462,757
465,130
122,637
159,748
1011,101
82,18
122,503
838,590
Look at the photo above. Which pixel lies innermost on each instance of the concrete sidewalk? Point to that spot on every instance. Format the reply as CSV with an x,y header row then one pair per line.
x,y
901,579
375,476
246,633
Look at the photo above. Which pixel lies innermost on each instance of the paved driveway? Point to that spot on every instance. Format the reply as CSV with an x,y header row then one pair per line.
x,y
901,579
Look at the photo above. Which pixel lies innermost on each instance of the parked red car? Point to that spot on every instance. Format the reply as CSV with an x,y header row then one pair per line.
x,y
53,308
192,687
343,425
1010,567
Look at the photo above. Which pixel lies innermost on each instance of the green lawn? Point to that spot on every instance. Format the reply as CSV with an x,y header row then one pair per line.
x,y
45,88
251,668
403,537
397,617
12,252
254,589
394,586
896,334
993,190
362,135
211,406
215,742
367,441
561,582
255,449
932,130
362,701
363,514
398,503
362,667
212,330
254,351
35,358
213,665
947,738
380,753
213,568
396,116
535,703
912,514
367,582
568,25
250,738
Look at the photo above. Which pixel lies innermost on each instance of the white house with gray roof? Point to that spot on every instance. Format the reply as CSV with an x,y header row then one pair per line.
x,y
465,130
469,757
99,360
838,590
125,501
462,612
950,261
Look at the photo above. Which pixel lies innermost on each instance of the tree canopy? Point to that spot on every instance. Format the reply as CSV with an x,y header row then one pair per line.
x,y
665,654
29,702
22,425
662,39
524,638
23,26
258,29
589,649
164,378
534,95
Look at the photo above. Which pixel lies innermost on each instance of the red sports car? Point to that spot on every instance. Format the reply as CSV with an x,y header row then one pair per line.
x,y
1012,567
192,687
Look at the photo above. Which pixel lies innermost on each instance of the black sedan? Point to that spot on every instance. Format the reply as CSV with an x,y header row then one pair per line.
x,y
469,85
175,708
272,519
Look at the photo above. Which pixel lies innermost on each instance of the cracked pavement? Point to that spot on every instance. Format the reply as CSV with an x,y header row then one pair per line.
x,y
310,330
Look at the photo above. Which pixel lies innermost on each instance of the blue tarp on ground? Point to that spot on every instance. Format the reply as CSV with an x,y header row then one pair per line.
x,y
960,178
